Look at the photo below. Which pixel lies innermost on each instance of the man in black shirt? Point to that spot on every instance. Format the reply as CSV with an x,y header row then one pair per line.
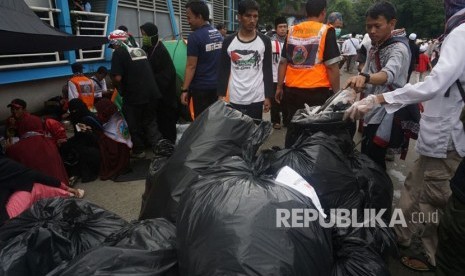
x,y
133,77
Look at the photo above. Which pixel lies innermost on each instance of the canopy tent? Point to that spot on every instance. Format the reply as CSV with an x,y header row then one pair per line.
x,y
178,53
22,31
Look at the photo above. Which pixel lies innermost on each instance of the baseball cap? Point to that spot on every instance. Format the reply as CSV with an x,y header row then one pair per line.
x,y
412,36
17,103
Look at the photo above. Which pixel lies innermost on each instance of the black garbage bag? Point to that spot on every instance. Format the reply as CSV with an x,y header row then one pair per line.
x,y
52,231
320,160
355,259
156,165
227,224
218,132
347,180
305,124
141,248
375,181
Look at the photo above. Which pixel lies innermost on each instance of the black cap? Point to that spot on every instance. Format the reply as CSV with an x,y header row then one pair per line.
x,y
17,103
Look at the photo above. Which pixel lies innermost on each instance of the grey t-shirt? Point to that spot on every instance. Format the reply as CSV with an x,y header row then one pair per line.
x,y
395,61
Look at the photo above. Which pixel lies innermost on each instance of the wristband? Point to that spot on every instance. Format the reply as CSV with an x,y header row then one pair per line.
x,y
184,90
367,77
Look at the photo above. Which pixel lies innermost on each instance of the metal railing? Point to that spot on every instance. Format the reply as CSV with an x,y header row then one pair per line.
x,y
90,24
87,24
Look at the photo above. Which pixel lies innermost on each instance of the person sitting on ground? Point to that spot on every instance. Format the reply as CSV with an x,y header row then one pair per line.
x,y
35,150
20,188
18,113
100,84
114,140
81,152
56,107
80,86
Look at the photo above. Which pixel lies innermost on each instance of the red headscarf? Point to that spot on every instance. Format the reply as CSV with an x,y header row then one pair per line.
x,y
37,151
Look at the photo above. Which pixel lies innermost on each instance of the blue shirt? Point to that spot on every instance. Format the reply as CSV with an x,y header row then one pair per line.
x,y
205,43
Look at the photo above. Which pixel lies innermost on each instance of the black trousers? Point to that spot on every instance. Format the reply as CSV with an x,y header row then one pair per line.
x,y
142,125
253,110
277,108
295,98
202,99
375,152
167,117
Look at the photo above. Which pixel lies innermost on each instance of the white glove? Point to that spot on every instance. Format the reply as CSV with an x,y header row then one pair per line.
x,y
362,107
346,96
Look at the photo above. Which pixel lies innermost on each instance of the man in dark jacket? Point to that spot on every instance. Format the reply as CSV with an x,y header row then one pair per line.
x,y
132,75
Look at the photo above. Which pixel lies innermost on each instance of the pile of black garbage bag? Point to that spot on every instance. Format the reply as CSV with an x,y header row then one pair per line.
x,y
221,193
223,198
74,237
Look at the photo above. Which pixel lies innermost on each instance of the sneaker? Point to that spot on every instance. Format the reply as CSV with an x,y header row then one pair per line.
x,y
140,155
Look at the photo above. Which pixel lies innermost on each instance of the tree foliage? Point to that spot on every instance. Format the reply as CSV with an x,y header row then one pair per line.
x,y
423,17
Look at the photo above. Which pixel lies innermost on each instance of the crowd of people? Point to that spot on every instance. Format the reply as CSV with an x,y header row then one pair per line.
x,y
279,71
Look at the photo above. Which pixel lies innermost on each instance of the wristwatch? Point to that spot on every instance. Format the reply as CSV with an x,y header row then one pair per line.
x,y
367,77
184,89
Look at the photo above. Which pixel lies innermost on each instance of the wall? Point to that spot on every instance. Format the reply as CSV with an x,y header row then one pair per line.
x,y
33,92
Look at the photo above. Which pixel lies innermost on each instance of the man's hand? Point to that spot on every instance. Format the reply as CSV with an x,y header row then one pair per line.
x,y
360,108
356,82
266,105
279,93
184,98
221,98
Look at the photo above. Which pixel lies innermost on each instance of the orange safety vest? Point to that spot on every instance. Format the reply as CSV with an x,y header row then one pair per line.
x,y
85,89
305,49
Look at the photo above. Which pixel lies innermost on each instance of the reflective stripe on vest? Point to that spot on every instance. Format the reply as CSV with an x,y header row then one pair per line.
x,y
85,89
305,49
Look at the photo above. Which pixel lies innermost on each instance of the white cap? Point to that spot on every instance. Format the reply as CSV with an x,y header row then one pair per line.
x,y
412,36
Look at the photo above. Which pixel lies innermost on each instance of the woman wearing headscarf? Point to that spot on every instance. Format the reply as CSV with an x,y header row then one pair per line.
x,y
37,151
81,152
165,75
114,140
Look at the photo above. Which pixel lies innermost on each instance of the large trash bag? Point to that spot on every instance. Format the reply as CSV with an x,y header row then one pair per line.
x,y
320,160
306,123
355,259
227,225
375,181
349,180
218,132
142,248
52,231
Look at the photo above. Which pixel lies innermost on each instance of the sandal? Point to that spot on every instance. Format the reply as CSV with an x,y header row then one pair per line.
x,y
417,263
277,126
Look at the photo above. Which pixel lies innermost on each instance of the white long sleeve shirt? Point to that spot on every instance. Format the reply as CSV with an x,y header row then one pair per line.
x,y
350,47
440,125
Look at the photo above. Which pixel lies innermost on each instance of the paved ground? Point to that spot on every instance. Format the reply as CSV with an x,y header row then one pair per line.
x,y
125,198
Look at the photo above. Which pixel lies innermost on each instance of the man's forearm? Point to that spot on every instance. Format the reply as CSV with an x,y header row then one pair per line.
x,y
282,71
333,76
